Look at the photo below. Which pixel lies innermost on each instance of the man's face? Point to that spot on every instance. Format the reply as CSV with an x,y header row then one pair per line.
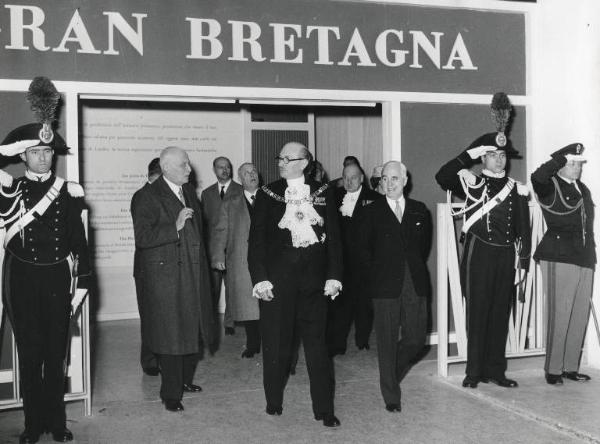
x,y
495,161
38,159
177,168
222,170
249,177
393,180
294,168
572,170
352,178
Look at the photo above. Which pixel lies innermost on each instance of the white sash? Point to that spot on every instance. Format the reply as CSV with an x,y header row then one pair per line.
x,y
487,207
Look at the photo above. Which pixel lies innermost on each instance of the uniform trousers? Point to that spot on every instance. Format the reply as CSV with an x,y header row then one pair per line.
x,y
568,289
176,370
488,282
298,305
400,329
38,304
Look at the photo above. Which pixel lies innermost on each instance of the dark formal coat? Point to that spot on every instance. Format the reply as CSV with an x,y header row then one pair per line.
x,y
174,271
211,203
229,244
387,245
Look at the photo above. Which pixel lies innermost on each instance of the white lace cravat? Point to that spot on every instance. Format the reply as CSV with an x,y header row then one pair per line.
x,y
349,203
300,216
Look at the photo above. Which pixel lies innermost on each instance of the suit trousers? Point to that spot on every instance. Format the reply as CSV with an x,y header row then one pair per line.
x,y
147,357
488,282
176,370
568,289
298,307
400,329
38,304
252,336
216,279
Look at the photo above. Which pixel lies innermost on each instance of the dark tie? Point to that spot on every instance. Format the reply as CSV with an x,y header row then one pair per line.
x,y
253,199
222,193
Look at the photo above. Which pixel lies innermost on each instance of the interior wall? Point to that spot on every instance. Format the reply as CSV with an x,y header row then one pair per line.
x,y
341,132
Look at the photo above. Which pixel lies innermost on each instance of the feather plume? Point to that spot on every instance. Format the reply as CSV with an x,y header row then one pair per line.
x,y
44,99
501,109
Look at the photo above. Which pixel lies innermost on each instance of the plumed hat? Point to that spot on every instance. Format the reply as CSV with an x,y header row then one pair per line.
x,y
43,98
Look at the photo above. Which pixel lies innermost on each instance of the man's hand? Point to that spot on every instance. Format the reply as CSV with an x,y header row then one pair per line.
x,y
263,290
479,151
185,214
219,266
332,288
78,297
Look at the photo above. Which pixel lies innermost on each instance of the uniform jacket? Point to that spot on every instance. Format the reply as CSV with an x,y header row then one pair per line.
x,y
388,248
173,271
270,245
570,235
229,244
506,223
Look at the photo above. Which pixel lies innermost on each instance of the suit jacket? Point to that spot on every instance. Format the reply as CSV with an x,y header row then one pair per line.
x,y
388,247
173,270
211,203
136,261
270,246
229,244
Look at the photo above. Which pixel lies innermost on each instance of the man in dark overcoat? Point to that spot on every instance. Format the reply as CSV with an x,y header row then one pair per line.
x,y
178,316
394,241
295,262
354,304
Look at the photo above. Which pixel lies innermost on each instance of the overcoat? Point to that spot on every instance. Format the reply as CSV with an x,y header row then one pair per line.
x,y
229,244
173,269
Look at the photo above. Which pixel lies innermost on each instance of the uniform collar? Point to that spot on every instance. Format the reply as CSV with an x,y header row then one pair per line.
x,y
489,173
35,177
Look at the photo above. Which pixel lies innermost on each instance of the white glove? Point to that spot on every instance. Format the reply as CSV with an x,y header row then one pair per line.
x,y
80,294
262,290
575,157
12,149
6,179
332,288
480,151
468,176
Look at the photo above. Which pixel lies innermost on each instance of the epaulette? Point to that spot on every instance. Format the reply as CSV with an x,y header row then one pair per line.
x,y
74,189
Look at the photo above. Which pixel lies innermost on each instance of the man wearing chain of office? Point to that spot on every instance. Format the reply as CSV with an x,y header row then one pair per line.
x,y
497,245
42,230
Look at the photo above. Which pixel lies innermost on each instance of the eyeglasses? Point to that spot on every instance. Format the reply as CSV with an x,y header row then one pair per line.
x,y
287,160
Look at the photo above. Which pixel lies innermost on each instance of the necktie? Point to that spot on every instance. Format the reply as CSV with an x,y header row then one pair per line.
x,y
398,211
222,193
252,200
181,198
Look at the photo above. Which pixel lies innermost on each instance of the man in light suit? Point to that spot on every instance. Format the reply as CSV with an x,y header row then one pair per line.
x,y
354,304
295,256
211,199
229,251
177,308
148,361
395,240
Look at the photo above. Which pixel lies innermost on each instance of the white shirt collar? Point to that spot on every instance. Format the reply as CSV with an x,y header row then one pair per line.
x,y
392,203
175,188
249,195
224,185
355,194
489,173
295,182
571,181
38,177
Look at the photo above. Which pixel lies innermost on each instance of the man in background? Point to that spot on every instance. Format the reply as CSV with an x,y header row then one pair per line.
x,y
229,251
148,361
211,200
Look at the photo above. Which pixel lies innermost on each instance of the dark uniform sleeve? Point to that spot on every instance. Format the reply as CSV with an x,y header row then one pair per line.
x,y
257,241
447,176
523,231
541,178
334,239
78,241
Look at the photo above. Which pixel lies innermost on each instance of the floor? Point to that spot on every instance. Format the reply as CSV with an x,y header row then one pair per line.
x,y
230,409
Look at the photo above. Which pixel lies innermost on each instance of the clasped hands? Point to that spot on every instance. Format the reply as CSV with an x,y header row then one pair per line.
x,y
264,290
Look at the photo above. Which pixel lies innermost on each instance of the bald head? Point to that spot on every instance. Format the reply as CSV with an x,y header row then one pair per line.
x,y
175,165
393,179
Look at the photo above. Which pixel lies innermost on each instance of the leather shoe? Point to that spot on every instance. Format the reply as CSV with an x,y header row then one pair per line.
x,y
27,437
364,347
575,376
229,331
248,353
191,388
274,411
63,435
173,405
151,371
502,382
470,381
329,419
554,379
393,407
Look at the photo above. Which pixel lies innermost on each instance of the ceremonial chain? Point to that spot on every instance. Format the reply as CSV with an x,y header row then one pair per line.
x,y
309,199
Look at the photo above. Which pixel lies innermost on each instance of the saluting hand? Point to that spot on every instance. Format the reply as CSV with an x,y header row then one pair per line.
x,y
185,214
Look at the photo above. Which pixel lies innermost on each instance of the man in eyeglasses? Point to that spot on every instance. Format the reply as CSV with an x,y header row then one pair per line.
x,y
295,258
